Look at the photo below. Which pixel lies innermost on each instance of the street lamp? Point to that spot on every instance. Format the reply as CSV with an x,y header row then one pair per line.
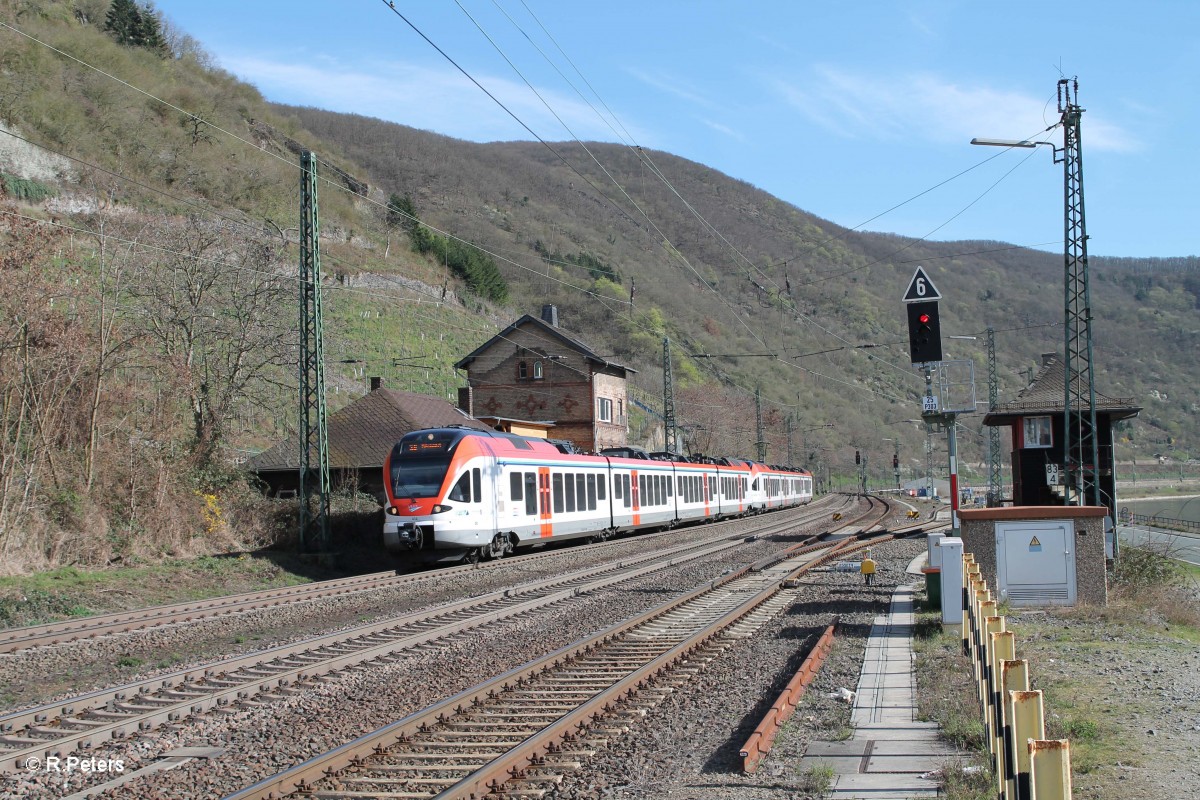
x,y
1080,443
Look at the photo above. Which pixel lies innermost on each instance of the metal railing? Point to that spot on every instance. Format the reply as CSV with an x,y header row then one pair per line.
x,y
1155,521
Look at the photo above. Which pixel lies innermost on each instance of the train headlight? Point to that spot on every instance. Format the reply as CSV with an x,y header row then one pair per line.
x,y
440,509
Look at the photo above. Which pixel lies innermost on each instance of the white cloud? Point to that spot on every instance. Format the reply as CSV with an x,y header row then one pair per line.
x,y
923,106
672,87
440,100
723,129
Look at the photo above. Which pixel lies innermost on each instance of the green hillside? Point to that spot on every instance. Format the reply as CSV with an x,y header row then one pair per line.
x,y
150,209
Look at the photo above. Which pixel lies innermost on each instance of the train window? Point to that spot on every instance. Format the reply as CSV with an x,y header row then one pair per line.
x,y
625,485
544,492
461,493
514,486
581,492
476,487
642,490
531,493
569,480
601,483
591,492
670,487
557,481
616,487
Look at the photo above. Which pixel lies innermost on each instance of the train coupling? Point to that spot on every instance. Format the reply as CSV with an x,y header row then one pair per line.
x,y
406,536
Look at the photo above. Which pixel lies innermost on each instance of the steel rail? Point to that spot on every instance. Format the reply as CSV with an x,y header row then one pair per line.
x,y
139,706
532,749
64,631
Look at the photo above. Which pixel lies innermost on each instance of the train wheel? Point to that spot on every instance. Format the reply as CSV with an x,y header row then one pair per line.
x,y
500,547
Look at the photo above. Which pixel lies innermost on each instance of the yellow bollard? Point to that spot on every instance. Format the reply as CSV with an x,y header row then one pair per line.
x,y
1002,649
1050,771
992,624
1028,724
1014,677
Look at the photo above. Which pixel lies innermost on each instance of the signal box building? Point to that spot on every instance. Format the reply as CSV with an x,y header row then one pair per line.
x,y
532,370
1035,419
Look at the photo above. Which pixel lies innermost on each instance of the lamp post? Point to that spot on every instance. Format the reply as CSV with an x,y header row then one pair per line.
x,y
1080,445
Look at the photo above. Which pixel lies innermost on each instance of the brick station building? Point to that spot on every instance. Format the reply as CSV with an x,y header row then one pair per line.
x,y
532,370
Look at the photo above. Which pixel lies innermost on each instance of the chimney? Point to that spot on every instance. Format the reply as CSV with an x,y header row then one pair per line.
x,y
1048,357
376,382
550,315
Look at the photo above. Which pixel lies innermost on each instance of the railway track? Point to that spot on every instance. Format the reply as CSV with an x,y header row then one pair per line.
x,y
515,735
88,720
66,631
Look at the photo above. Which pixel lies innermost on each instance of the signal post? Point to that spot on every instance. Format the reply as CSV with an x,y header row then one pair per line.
x,y
925,349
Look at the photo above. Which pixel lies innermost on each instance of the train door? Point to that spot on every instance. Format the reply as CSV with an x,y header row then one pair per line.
x,y
636,497
547,528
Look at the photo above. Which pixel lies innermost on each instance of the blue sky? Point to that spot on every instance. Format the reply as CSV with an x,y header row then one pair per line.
x,y
844,109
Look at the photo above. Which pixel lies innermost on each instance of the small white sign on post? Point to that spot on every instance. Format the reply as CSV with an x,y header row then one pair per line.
x,y
929,404
1052,475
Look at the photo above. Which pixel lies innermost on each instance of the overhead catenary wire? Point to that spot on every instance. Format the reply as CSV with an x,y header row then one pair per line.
x,y
222,130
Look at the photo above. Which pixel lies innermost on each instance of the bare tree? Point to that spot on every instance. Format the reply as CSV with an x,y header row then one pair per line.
x,y
218,311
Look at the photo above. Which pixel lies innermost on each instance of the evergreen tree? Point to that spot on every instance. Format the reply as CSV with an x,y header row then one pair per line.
x,y
136,26
150,35
124,21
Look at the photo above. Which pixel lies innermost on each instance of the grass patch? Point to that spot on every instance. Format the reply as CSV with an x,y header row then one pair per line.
x,y
961,782
817,780
72,592
945,690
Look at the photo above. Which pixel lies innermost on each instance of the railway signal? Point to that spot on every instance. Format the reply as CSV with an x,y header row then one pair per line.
x,y
924,332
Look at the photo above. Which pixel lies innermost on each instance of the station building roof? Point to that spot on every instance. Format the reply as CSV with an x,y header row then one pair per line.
x,y
362,433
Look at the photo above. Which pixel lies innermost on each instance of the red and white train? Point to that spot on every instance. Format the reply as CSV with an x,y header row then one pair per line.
x,y
461,493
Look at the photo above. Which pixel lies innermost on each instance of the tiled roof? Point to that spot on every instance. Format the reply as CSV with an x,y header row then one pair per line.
x,y
1046,395
545,329
362,433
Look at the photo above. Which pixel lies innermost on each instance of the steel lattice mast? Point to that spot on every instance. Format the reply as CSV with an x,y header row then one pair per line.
x,y
1080,446
670,429
314,440
995,495
761,442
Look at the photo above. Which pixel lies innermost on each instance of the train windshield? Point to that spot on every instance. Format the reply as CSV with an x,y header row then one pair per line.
x,y
418,477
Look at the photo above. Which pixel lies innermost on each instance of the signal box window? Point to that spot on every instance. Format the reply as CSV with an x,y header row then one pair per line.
x,y
537,370
1038,432
522,371
604,409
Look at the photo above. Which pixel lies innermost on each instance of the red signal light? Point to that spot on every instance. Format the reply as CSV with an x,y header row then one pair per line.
x,y
923,319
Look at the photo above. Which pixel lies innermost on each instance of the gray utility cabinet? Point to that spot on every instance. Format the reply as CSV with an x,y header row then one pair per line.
x,y
1035,562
